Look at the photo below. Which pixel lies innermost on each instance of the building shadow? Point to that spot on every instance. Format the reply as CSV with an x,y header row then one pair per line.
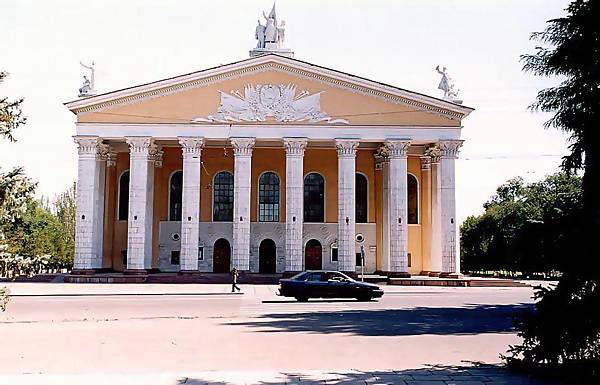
x,y
430,374
475,319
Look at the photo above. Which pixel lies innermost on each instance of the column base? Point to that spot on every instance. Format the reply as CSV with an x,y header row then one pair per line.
x,y
397,274
83,271
452,275
189,273
289,274
135,272
435,274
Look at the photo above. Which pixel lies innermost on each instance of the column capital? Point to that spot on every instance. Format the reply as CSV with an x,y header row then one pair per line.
x,y
111,158
434,153
87,145
449,148
155,153
425,162
242,146
139,144
191,145
346,147
295,146
397,148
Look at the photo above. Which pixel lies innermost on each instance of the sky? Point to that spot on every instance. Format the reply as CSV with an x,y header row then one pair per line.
x,y
397,42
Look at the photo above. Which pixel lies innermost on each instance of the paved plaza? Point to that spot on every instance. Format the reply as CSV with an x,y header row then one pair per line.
x,y
196,334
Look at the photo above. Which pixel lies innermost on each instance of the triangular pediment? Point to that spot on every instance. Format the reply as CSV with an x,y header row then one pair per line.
x,y
269,89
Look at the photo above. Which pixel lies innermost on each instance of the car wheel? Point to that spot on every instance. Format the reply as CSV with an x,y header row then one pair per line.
x,y
364,298
302,299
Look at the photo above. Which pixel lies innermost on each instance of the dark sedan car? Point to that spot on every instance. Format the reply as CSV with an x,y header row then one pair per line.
x,y
327,284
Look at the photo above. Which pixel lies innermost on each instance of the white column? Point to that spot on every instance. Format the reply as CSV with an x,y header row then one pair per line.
x,y
398,219
242,150
346,150
436,224
294,197
383,163
142,155
450,240
90,203
190,210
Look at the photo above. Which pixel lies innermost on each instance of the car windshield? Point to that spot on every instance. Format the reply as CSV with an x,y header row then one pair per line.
x,y
300,276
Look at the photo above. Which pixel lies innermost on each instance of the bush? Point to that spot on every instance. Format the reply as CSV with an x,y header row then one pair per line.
x,y
4,298
562,331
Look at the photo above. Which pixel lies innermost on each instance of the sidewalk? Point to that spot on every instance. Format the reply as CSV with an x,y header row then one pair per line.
x,y
440,375
18,289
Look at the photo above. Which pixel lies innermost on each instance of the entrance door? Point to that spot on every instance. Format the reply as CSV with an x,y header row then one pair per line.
x,y
221,256
267,257
313,255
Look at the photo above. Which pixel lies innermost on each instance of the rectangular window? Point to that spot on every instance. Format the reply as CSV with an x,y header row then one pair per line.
x,y
358,259
124,257
334,254
175,254
409,260
201,253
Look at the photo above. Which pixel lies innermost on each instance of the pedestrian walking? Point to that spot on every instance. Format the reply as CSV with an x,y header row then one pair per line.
x,y
234,276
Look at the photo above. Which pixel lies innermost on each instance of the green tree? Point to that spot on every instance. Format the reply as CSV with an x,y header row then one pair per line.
x,y
565,328
11,115
65,209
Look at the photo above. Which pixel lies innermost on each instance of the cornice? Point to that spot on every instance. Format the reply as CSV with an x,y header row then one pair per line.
x,y
267,63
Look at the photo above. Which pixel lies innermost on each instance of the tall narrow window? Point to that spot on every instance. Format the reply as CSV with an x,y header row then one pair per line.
x,y
268,197
223,197
124,196
361,199
413,199
175,195
314,198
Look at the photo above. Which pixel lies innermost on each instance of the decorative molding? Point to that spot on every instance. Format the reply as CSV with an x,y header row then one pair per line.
x,y
295,146
260,102
449,148
378,90
346,147
425,162
242,146
191,145
397,148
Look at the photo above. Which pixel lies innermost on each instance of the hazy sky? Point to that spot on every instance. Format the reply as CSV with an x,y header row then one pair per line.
x,y
395,42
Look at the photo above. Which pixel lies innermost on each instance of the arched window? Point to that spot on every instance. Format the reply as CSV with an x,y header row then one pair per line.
x,y
361,199
268,197
175,195
124,196
223,197
413,199
314,198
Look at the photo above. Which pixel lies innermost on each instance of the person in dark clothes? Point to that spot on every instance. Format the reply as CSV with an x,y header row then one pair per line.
x,y
234,276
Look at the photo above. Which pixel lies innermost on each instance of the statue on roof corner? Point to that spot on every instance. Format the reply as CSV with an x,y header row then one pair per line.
x,y
87,88
447,85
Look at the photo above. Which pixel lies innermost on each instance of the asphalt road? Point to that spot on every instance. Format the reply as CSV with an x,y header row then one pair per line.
x,y
258,331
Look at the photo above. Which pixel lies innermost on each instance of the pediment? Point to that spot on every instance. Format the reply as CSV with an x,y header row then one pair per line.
x,y
268,89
